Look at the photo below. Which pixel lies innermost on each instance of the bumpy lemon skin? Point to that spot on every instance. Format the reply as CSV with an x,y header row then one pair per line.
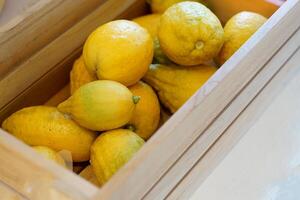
x,y
237,31
190,34
46,126
160,6
120,50
50,154
112,150
176,84
145,118
100,105
79,75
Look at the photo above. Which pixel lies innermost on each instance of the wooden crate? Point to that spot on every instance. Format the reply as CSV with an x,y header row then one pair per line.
x,y
182,152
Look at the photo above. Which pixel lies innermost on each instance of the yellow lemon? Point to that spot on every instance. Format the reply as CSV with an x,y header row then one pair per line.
x,y
225,9
160,6
112,150
88,174
237,31
50,154
145,118
190,34
120,50
159,57
100,105
151,23
46,126
175,85
79,75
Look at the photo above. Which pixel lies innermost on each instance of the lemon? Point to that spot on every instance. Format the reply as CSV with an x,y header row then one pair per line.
x,y
145,118
160,6
176,84
237,31
79,75
50,154
190,34
88,174
151,23
112,150
100,105
120,50
46,126
159,57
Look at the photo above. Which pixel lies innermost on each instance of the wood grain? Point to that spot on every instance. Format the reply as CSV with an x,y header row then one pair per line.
x,y
38,26
8,193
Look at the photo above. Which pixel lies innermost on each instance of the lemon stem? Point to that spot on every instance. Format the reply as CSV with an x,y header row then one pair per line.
x,y
199,44
136,99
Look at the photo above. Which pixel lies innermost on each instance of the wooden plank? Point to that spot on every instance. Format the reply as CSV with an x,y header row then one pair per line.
x,y
8,193
36,177
172,140
217,128
28,32
65,45
35,94
199,173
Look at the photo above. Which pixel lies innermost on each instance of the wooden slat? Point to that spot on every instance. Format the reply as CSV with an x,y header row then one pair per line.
x,y
37,27
8,193
217,128
173,139
43,88
198,174
36,177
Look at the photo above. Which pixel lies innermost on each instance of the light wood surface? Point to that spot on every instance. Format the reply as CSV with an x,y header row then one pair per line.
x,y
8,193
28,26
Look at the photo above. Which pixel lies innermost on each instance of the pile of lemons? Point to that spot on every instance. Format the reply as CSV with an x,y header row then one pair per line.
x,y
126,70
